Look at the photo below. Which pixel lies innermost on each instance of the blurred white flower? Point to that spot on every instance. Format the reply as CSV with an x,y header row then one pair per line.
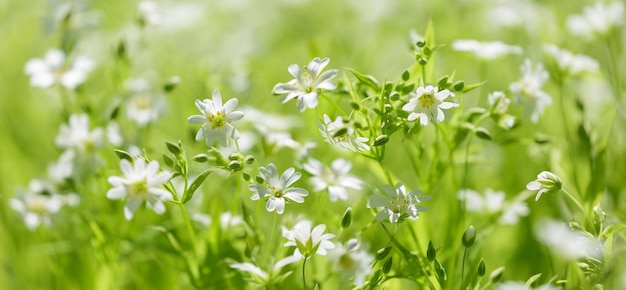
x,y
277,189
596,20
486,50
546,182
263,277
307,242
76,135
114,134
228,220
335,179
499,104
143,106
141,182
528,90
342,133
53,68
63,168
305,85
427,104
216,120
149,13
567,243
518,285
569,63
398,204
351,261
493,202
37,204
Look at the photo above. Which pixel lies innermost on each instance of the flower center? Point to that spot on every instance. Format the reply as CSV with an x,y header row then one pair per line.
x,y
278,192
427,100
306,81
140,187
141,102
38,205
399,204
218,120
346,262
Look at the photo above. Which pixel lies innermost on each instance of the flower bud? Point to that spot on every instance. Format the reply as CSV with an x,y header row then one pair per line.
x,y
431,252
259,179
422,61
346,220
381,140
173,147
171,84
458,86
249,159
387,265
235,165
481,268
469,237
496,275
406,75
383,252
201,158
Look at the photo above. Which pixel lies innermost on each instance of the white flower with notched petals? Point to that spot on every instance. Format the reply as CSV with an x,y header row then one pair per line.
x,y
335,179
596,20
54,69
352,262
567,243
343,134
307,242
141,182
398,204
427,104
216,120
262,277
569,63
306,83
76,135
528,90
37,204
486,50
277,190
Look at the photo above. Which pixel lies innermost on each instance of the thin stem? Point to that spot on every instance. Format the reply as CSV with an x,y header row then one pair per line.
x,y
192,234
463,268
574,200
269,242
304,273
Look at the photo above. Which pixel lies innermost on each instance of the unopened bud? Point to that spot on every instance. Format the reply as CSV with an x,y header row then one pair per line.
x,y
383,253
387,265
249,159
496,275
381,140
201,158
346,220
458,86
235,165
431,252
481,268
469,237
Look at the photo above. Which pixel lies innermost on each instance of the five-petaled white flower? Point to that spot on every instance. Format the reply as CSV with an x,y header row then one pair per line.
x,y
569,63
37,204
306,83
76,135
398,204
216,119
335,178
277,189
54,69
546,182
596,20
342,133
141,183
352,262
486,50
528,90
427,104
307,242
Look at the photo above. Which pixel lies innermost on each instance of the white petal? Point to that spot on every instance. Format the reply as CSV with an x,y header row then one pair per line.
x,y
116,193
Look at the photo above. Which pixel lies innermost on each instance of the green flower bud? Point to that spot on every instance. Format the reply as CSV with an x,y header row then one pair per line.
x,y
249,159
406,75
496,275
235,165
171,84
458,86
422,61
442,83
246,176
381,140
259,179
383,252
394,96
481,268
346,220
355,106
121,154
431,252
387,266
201,158
173,147
469,237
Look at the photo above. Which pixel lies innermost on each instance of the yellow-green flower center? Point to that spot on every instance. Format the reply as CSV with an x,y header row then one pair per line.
x,y
427,100
140,187
38,205
141,101
346,262
399,204
278,192
218,120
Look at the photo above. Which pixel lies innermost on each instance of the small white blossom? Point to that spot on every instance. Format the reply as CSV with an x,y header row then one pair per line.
x,y
63,168
216,119
518,285
596,20
398,204
493,202
263,277
143,107
37,204
228,220
569,63
334,179
427,104
499,106
277,190
546,182
567,243
351,261
306,83
528,90
486,50
149,13
343,134
76,135
307,242
54,69
141,182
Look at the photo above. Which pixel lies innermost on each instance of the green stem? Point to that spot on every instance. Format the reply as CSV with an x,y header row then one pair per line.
x,y
574,200
269,242
192,234
463,268
304,273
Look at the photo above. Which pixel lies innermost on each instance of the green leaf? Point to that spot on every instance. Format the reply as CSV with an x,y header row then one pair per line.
x,y
121,154
367,80
196,184
467,88
532,281
173,147
482,133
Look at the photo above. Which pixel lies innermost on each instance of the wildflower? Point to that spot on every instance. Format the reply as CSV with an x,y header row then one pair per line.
x,y
398,204
143,106
264,277
493,202
335,179
228,220
277,189
141,182
351,261
341,133
63,169
305,85
307,242
567,243
499,105
546,182
149,13
54,69
37,204
528,90
569,63
486,50
596,20
216,119
427,104
518,285
76,135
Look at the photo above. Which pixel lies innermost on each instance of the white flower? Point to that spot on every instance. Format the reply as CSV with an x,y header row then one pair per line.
x,y
143,106
398,204
277,189
528,90
427,104
567,243
228,220
546,182
598,19
342,133
141,182
263,277
149,13
499,105
569,63
486,50
216,119
493,202
351,261
63,169
54,69
76,135
37,204
305,85
518,285
114,134
307,242
335,179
